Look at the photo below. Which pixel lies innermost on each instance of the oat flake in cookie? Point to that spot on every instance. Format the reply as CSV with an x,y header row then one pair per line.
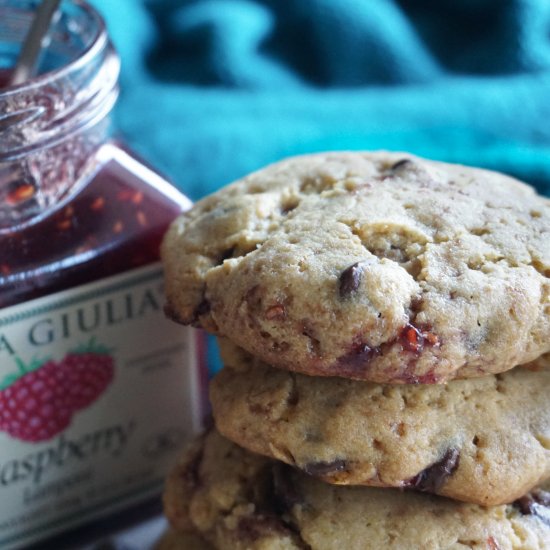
x,y
241,501
375,266
484,440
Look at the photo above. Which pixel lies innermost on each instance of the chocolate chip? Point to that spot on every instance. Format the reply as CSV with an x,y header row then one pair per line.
x,y
190,473
202,309
285,492
432,478
293,398
526,505
226,254
324,469
350,279
400,164
536,503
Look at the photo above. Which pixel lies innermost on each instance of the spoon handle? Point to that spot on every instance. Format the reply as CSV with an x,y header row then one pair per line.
x,y
30,51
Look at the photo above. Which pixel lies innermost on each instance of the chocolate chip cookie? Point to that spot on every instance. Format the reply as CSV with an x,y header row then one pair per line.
x,y
241,501
376,266
483,440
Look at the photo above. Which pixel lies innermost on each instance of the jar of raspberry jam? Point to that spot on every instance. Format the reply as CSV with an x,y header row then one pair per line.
x,y
98,390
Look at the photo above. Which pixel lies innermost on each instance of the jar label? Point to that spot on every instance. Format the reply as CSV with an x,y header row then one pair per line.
x,y
98,393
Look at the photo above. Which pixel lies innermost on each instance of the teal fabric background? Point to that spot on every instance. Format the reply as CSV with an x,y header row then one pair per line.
x,y
213,89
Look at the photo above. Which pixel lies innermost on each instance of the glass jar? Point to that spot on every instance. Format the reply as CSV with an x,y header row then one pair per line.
x,y
73,206
94,402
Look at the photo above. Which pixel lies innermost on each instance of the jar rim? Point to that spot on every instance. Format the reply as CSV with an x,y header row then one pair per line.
x,y
69,99
97,43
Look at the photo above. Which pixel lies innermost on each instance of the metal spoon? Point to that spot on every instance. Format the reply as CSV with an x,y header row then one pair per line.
x,y
35,40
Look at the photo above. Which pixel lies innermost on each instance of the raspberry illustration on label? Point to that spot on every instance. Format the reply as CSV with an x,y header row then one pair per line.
x,y
40,400
89,370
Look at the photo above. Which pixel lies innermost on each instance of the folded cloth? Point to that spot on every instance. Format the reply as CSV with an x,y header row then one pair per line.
x,y
213,89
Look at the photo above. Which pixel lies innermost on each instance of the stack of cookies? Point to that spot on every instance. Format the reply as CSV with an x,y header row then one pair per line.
x,y
383,321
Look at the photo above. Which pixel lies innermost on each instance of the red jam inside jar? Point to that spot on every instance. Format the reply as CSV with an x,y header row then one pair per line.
x,y
112,223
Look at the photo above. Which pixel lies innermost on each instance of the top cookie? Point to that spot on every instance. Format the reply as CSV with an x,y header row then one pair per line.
x,y
376,266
